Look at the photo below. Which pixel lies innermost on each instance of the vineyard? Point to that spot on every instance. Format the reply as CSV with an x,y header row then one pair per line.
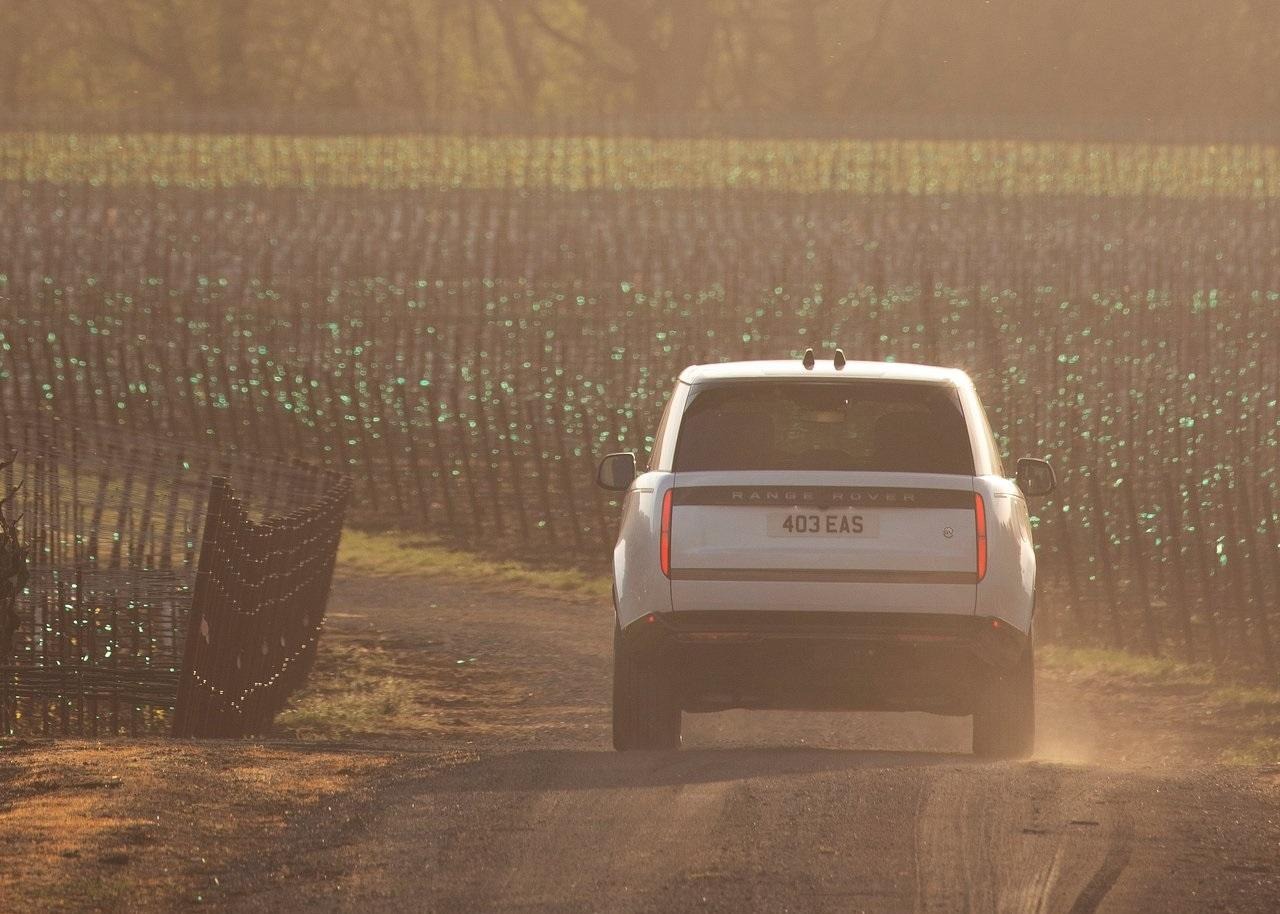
x,y
465,324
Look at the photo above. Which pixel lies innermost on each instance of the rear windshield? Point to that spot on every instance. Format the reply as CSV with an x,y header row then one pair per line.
x,y
801,425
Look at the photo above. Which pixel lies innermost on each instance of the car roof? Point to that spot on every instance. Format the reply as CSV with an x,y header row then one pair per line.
x,y
823,369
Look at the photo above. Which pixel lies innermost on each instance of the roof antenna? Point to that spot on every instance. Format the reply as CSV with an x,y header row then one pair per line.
x,y
807,361
838,361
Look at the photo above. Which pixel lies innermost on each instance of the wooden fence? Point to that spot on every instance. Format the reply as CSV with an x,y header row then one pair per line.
x,y
257,612
114,519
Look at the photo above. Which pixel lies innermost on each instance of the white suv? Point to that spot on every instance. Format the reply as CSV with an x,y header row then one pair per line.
x,y
824,536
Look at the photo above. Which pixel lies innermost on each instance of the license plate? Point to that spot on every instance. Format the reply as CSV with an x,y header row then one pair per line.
x,y
822,523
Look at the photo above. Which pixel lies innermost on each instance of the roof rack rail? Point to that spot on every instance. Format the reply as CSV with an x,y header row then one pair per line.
x,y
839,359
807,361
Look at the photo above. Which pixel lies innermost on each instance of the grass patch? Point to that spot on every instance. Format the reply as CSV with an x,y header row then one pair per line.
x,y
367,685
150,824
356,689
412,555
1264,750
105,892
1247,698
1133,668
1139,669
1248,715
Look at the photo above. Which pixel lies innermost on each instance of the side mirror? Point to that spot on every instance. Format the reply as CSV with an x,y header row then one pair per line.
x,y
1035,477
616,471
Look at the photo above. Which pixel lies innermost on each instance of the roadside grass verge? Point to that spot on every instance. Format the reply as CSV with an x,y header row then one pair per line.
x,y
158,824
1138,669
1251,712
1262,750
396,554
357,688
370,687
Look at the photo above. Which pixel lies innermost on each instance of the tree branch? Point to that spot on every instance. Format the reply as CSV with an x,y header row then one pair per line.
x,y
869,48
587,52
174,65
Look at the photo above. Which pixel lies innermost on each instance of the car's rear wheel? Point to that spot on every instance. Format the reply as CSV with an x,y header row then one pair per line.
x,y
646,711
1004,717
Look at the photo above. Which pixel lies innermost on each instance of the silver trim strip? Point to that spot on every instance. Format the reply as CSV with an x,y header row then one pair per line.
x,y
824,575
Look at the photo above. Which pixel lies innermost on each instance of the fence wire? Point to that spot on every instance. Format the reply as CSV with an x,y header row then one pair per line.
x,y
258,610
114,520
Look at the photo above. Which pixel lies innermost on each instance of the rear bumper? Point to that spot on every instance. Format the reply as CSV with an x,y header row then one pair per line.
x,y
814,591
829,660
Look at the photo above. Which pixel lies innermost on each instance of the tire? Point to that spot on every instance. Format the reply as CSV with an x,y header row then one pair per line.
x,y
646,713
1004,718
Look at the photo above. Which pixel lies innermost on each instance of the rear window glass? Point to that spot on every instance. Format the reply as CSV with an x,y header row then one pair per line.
x,y
874,426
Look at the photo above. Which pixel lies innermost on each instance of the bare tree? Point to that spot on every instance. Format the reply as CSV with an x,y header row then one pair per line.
x,y
13,573
667,44
235,85
808,58
18,25
859,62
152,34
526,67
1074,58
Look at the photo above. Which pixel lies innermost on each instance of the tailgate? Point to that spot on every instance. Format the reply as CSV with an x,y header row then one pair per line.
x,y
907,545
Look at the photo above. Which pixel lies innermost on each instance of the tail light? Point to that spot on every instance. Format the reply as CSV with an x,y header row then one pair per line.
x,y
664,540
980,528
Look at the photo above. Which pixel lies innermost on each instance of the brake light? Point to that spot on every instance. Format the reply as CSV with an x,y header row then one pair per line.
x,y
980,527
664,539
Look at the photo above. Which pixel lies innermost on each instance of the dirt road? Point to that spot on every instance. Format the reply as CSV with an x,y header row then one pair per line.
x,y
526,808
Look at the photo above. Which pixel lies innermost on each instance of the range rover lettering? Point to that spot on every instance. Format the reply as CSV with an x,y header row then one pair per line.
x,y
824,535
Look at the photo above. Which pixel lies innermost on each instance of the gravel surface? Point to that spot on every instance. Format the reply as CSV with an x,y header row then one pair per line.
x,y
524,806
